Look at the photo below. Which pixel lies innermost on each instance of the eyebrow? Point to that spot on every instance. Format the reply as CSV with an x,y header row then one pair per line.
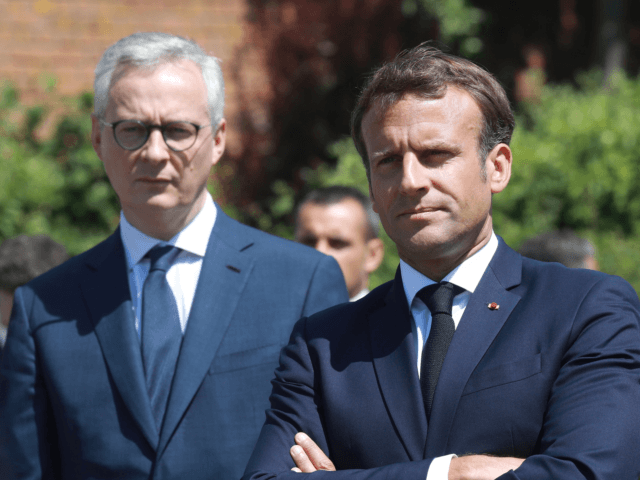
x,y
427,146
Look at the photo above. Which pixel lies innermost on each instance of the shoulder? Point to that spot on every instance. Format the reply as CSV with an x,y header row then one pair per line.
x,y
267,247
347,318
66,276
574,293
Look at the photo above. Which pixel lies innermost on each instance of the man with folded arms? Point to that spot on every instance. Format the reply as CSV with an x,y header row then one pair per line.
x,y
474,362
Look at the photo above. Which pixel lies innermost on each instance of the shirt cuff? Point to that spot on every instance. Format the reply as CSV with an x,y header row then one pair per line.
x,y
439,468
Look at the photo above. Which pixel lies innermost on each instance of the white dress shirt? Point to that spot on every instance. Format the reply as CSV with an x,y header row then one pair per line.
x,y
185,268
466,275
362,293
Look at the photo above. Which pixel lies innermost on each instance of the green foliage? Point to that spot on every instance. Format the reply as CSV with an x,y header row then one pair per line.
x,y
55,185
459,22
576,166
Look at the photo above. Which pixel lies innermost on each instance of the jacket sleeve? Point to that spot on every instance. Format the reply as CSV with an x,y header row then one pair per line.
x,y
296,406
591,426
28,442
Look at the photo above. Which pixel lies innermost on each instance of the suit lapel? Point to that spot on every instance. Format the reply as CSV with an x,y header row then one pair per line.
x,y
112,316
394,360
225,271
477,330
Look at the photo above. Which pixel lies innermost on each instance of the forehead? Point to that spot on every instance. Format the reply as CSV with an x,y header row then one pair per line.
x,y
343,217
455,116
169,88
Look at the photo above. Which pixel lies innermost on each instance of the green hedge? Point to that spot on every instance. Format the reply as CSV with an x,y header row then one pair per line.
x,y
54,185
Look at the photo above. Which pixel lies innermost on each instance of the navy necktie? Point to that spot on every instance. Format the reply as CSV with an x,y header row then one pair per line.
x,y
439,299
161,333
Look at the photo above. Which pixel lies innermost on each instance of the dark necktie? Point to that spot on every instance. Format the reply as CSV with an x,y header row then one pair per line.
x,y
439,299
161,333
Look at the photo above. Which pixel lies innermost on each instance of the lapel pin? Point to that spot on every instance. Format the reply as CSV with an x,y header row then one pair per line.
x,y
493,306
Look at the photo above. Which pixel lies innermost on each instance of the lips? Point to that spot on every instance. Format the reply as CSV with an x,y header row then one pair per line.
x,y
154,180
418,211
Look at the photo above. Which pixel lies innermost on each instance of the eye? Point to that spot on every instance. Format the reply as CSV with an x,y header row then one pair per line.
x,y
387,160
179,130
338,243
308,241
439,156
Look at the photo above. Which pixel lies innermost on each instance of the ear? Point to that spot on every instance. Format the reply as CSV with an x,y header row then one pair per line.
x,y
96,136
219,141
373,200
375,253
498,165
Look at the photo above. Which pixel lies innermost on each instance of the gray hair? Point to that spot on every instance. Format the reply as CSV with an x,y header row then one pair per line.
x,y
338,193
150,49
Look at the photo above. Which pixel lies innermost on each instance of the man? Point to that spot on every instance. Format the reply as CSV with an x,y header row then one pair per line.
x,y
562,246
339,221
23,258
149,356
525,370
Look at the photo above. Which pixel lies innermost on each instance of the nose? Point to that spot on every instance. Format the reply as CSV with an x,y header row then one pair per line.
x,y
323,247
414,175
155,149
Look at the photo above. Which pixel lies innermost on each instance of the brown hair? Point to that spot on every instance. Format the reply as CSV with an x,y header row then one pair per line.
x,y
426,72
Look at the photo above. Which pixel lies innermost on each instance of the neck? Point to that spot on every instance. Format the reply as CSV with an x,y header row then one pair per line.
x,y
160,223
436,267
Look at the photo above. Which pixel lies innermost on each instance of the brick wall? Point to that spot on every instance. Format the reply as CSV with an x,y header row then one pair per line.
x,y
64,39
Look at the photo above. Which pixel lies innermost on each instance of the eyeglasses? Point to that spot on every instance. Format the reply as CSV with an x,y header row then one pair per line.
x,y
133,134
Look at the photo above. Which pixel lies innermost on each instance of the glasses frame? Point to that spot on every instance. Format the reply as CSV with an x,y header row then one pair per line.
x,y
149,128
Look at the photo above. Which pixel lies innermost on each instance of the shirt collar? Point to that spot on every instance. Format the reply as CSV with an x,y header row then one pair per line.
x,y
466,275
194,238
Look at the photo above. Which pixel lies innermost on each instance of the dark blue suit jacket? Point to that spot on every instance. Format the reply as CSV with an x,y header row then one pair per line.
x,y
73,401
552,375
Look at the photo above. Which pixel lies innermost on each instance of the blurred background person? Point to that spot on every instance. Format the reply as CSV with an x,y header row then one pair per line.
x,y
562,246
339,221
22,259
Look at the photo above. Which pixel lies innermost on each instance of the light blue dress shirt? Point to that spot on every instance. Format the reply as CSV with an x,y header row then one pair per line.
x,y
184,272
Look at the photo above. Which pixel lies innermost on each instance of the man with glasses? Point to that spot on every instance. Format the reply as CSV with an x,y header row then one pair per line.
x,y
150,355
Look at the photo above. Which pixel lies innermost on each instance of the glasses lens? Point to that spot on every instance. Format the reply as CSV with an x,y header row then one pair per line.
x,y
180,135
130,134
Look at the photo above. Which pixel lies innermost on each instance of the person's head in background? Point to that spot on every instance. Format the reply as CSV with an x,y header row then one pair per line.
x,y
562,246
339,221
22,259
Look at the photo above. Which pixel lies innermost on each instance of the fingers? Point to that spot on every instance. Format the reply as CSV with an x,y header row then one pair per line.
x,y
300,458
313,453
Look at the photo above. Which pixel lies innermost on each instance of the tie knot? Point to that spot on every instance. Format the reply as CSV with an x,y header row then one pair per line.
x,y
438,297
161,257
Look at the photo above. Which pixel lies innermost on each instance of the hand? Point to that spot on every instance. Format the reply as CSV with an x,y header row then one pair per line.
x,y
308,457
481,467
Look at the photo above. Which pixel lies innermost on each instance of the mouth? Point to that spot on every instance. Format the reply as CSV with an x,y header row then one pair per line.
x,y
153,180
418,212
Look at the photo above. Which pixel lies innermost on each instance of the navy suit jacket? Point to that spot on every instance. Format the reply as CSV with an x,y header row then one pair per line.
x,y
552,375
73,401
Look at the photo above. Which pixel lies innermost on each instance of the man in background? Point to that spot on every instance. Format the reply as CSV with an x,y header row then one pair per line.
x,y
562,246
150,355
339,221
22,259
